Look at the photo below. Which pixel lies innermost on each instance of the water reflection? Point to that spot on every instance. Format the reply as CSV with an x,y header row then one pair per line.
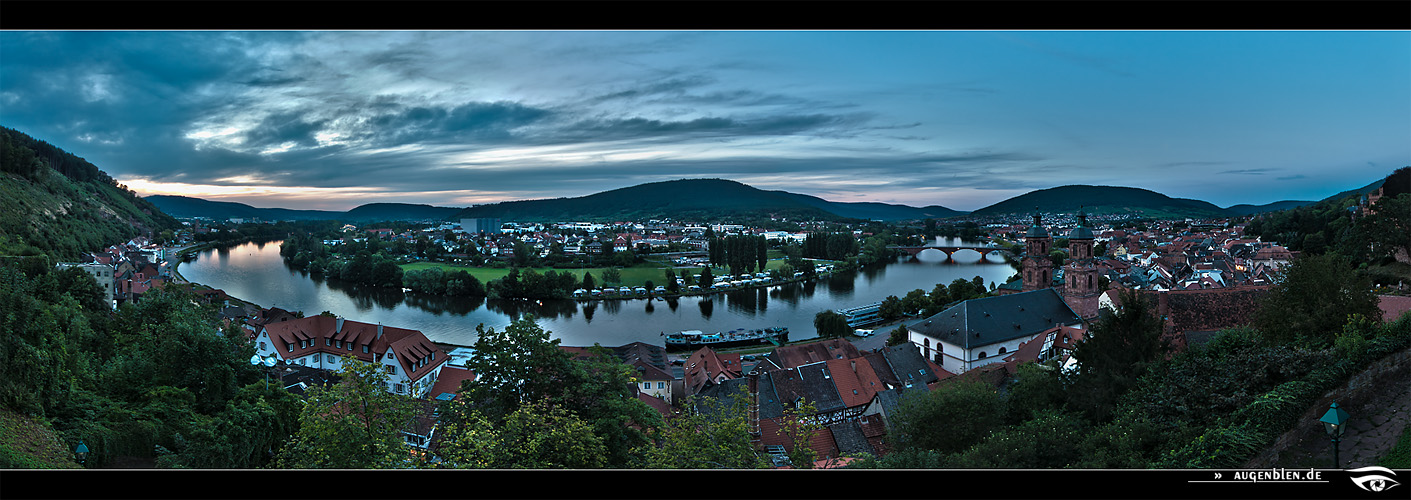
x,y
256,273
542,309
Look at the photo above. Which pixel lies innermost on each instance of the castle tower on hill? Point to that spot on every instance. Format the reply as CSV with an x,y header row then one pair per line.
x,y
1037,266
1080,278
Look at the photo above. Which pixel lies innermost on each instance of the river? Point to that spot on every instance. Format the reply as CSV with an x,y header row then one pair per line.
x,y
255,272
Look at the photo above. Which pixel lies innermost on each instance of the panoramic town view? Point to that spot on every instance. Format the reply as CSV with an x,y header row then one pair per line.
x,y
707,250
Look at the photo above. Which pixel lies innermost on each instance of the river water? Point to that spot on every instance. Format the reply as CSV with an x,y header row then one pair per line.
x,y
255,272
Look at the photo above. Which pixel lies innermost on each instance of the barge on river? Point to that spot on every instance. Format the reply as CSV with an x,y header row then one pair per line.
x,y
695,339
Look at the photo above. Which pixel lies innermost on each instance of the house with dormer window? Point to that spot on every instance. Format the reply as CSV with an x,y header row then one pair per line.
x,y
412,362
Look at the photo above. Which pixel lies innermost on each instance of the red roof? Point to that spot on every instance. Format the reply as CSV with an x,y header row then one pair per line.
x,y
855,380
449,380
1393,306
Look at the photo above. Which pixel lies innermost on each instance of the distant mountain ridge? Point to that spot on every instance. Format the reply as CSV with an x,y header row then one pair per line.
x,y
1103,200
693,198
188,207
722,199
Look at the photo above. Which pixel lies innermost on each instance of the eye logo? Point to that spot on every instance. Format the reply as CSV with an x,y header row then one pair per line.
x,y
1368,478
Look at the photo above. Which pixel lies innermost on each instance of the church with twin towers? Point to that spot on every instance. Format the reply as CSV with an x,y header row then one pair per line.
x,y
1080,289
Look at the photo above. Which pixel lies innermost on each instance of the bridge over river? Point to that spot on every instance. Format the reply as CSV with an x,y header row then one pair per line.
x,y
950,250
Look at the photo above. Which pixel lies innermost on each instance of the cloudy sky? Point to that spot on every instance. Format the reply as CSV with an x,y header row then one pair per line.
x,y
963,119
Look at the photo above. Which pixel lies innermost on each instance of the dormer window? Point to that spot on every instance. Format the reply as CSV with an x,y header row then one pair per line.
x,y
365,350
290,346
327,341
338,344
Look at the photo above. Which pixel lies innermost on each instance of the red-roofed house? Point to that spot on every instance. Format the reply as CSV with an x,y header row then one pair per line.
x,y
411,361
706,368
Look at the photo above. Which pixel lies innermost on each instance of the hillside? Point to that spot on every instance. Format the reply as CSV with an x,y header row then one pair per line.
x,y
56,204
687,198
187,207
1103,200
1247,209
696,199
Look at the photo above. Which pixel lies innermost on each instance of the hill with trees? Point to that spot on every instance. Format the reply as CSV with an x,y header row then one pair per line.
x,y
188,207
58,205
696,199
1104,200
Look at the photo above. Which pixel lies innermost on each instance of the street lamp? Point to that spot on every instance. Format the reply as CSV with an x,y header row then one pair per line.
x,y
1333,422
81,453
267,361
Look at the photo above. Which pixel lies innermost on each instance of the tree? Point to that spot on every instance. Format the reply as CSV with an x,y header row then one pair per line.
x,y
1114,356
512,366
830,324
352,424
708,434
798,428
1311,301
611,276
588,283
949,419
706,278
891,308
537,435
521,365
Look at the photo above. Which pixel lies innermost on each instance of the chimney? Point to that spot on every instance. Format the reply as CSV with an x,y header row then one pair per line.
x,y
753,411
379,330
339,328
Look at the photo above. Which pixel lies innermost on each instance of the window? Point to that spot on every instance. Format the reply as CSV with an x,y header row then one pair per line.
x,y
350,346
646,385
982,354
290,346
391,369
331,358
327,341
661,385
262,346
364,348
1001,350
338,344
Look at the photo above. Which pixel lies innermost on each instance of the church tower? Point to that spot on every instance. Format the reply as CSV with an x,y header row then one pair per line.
x,y
1038,267
1080,279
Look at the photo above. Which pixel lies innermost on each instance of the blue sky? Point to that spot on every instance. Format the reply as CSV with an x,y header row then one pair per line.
x,y
962,119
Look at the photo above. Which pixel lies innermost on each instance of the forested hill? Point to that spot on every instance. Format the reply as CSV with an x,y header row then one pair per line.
x,y
183,206
696,198
56,204
1104,200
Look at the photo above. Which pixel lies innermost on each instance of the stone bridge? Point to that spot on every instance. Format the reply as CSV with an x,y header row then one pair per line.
x,y
950,251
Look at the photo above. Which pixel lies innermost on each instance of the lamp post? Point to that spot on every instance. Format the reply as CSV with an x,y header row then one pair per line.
x,y
81,452
268,362
1334,422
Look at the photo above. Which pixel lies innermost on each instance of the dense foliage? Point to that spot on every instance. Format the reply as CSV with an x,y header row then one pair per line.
x,y
1214,406
157,380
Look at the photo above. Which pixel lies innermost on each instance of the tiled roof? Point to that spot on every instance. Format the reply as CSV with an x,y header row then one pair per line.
x,y
855,381
449,381
407,346
980,322
1393,306
791,356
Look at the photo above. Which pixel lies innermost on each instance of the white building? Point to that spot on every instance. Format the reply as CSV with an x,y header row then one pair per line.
x,y
102,274
412,362
978,332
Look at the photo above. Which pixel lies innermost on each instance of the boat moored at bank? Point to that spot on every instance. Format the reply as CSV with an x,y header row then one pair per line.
x,y
695,339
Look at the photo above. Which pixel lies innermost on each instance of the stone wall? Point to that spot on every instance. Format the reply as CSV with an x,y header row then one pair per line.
x,y
1375,397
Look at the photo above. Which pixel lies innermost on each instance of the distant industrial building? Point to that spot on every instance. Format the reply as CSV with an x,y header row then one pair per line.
x,y
481,226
